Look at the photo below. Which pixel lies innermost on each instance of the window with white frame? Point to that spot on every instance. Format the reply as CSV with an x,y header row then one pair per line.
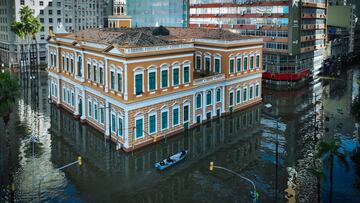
x,y
139,127
119,82
238,64
89,107
231,98
186,112
64,94
251,62
152,79
175,116
207,64
164,78
164,119
175,75
79,66
231,65
72,99
152,123
238,96
198,101
72,65
102,113
245,66
120,126
113,122
198,62
52,88
251,92
89,71
257,61
208,97
218,95
186,74
67,63
101,75
112,79
63,62
245,94
257,90
139,75
95,110
217,64
68,96
95,73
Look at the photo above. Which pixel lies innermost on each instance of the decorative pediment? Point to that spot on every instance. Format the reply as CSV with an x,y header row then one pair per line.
x,y
114,51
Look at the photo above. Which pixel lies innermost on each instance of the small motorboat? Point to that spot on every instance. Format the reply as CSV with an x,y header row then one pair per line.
x,y
171,160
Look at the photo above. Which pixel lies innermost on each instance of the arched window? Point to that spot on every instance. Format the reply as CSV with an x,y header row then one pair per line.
x,y
198,101
208,98
218,95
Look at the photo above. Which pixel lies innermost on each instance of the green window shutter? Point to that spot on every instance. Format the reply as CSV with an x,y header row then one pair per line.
x,y
152,123
217,65
245,63
164,118
198,62
101,75
218,95
207,64
119,126
152,81
139,128
256,90
175,116
138,84
112,80
231,66
208,98
176,76
251,62
186,113
245,94
186,74
238,65
164,78
95,75
251,92
89,72
198,101
231,98
113,123
238,96
119,82
257,61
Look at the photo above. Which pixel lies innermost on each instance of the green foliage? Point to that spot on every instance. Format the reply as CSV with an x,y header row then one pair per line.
x,y
329,149
9,91
28,25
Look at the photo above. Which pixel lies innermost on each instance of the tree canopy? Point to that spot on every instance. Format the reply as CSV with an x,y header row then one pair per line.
x,y
28,25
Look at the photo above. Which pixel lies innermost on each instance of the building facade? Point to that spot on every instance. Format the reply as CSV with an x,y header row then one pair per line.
x,y
144,84
74,15
294,31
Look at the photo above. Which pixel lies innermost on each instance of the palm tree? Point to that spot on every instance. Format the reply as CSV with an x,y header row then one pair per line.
x,y
9,91
328,150
28,26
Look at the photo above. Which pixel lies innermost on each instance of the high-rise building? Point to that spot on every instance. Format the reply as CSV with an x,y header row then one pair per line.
x,y
74,15
150,13
294,31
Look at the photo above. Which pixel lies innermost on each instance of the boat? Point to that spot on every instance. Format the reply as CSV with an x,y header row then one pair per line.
x,y
172,160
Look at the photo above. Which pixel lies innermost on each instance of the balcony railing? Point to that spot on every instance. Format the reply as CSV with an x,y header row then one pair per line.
x,y
157,48
228,41
208,79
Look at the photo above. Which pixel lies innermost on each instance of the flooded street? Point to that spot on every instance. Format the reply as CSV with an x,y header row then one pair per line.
x,y
260,144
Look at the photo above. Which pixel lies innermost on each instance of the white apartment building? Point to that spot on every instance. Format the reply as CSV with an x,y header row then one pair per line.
x,y
74,15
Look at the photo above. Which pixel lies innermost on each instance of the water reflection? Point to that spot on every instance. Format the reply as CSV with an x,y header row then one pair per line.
x,y
107,174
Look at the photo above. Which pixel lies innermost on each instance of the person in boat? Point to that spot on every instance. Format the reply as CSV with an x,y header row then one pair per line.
x,y
183,153
169,160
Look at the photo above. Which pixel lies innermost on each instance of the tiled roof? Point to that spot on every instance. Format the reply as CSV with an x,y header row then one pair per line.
x,y
142,37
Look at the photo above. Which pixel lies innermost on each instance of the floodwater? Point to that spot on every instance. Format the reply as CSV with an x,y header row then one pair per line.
x,y
257,143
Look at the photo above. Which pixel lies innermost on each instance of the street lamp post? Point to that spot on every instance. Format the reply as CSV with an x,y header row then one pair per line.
x,y
78,161
254,194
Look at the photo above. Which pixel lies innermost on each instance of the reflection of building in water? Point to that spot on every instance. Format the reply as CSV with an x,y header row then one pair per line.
x,y
231,140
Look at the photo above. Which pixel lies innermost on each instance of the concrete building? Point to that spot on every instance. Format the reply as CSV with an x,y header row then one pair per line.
x,y
143,83
345,23
294,32
74,15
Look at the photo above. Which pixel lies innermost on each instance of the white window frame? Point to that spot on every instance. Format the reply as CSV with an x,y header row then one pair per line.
x,y
152,113
96,106
245,88
179,79
256,55
161,121
183,73
172,115
241,63
139,117
201,103
207,55
72,98
238,90
117,81
211,97
234,67
168,83
152,70
102,111
253,92
257,85
111,124
87,71
103,80
89,107
118,124
189,111
218,89
232,91
215,58
201,61
139,72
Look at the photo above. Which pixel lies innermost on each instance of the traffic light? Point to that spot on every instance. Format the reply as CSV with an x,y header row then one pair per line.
x,y
211,168
79,160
